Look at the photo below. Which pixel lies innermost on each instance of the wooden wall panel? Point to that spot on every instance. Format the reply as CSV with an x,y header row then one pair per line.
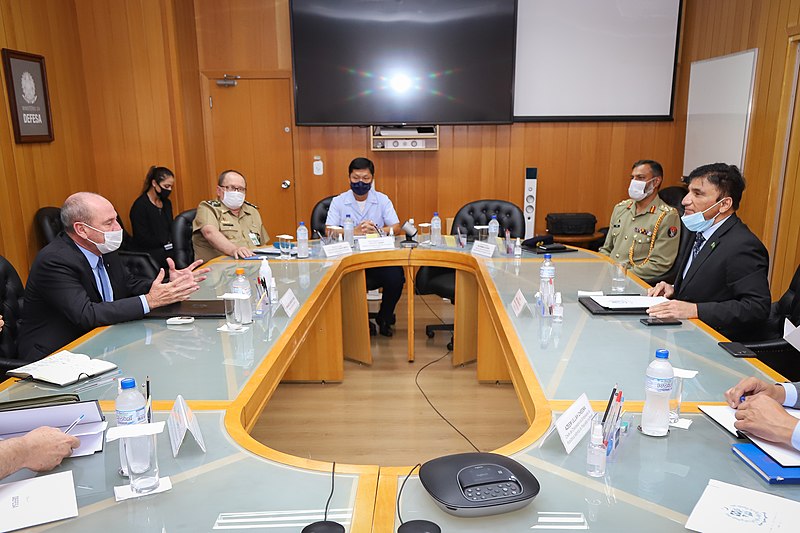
x,y
125,57
41,174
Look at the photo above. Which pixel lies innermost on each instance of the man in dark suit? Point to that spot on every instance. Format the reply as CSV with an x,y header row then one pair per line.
x,y
722,277
77,282
760,410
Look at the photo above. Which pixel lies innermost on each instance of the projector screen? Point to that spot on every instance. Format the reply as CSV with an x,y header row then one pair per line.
x,y
595,59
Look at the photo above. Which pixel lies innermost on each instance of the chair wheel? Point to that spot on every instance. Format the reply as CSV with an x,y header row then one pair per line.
x,y
429,334
450,346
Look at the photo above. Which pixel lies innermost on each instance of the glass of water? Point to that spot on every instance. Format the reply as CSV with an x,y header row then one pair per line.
x,y
619,276
285,246
233,314
675,400
142,460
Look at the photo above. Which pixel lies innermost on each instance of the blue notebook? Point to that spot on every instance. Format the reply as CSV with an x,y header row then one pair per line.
x,y
765,466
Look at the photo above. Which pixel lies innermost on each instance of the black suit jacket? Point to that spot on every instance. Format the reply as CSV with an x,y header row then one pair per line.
x,y
62,301
728,281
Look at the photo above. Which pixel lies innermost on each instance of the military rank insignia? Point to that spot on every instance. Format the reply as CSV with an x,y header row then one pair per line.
x,y
672,231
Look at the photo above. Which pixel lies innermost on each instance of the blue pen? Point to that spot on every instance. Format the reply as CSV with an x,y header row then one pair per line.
x,y
73,424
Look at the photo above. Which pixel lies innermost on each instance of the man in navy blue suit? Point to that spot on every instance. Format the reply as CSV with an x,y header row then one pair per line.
x,y
78,282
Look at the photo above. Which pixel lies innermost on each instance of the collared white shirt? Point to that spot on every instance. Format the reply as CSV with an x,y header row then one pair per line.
x,y
378,209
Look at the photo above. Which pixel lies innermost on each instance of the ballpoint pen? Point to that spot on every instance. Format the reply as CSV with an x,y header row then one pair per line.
x,y
71,426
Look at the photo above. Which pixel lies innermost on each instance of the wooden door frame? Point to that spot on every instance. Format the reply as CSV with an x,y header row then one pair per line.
x,y
791,77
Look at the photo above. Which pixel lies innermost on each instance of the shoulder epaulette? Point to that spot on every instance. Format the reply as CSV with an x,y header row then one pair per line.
x,y
666,208
213,203
251,205
623,202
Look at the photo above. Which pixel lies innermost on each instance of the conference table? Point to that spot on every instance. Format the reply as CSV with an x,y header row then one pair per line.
x,y
227,379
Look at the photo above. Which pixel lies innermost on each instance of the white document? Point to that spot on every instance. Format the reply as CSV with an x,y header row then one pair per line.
x,y
63,368
336,249
723,415
289,302
483,249
376,243
726,417
134,430
38,500
683,373
628,302
180,419
791,334
89,431
124,492
575,423
734,509
589,293
519,303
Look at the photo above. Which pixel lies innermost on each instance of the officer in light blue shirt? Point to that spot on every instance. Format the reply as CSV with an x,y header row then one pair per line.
x,y
760,410
372,212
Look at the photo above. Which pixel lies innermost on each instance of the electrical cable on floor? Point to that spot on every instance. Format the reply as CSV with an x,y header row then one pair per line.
x,y
416,381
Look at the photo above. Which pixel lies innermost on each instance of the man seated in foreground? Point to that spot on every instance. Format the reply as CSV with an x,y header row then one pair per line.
x,y
40,450
78,282
760,410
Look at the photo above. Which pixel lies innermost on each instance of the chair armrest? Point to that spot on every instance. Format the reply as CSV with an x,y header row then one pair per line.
x,y
772,347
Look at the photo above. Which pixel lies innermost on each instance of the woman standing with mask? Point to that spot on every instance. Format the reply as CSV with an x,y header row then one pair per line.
x,y
151,215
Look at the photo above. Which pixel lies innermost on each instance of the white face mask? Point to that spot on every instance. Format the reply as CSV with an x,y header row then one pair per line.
x,y
233,199
112,242
637,190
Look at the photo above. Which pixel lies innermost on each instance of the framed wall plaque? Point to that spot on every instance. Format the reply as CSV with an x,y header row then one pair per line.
x,y
29,101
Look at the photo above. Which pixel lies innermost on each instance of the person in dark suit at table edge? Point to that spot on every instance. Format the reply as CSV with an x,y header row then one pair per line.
x,y
722,278
762,412
78,282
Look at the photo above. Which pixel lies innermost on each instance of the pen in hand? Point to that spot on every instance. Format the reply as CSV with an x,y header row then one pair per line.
x,y
72,426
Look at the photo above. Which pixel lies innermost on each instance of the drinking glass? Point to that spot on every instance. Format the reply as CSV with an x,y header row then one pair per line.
x,y
285,246
675,399
232,315
142,460
619,276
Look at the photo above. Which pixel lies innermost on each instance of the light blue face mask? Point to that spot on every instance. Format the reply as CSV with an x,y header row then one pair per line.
x,y
697,222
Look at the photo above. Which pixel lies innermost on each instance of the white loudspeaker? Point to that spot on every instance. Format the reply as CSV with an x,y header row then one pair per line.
x,y
529,201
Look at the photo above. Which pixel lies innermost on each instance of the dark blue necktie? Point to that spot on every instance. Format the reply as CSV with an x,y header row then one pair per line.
x,y
105,284
698,243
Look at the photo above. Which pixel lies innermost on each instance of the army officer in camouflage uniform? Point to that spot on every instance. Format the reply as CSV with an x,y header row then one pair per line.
x,y
227,225
644,231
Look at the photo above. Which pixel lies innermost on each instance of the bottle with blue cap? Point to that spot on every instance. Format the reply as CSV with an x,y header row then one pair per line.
x,y
658,387
130,408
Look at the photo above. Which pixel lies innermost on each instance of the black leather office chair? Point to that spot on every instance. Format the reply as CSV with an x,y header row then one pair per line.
x,y
773,350
442,281
182,249
11,298
48,224
319,215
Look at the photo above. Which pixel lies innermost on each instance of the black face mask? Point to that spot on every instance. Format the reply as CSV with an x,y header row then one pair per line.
x,y
164,193
360,188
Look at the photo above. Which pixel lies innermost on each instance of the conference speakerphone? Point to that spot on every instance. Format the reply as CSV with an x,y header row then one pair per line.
x,y
478,484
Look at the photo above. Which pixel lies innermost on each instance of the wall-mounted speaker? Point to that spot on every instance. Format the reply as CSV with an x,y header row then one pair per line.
x,y
529,201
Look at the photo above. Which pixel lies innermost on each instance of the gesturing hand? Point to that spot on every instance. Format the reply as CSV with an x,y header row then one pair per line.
x,y
176,290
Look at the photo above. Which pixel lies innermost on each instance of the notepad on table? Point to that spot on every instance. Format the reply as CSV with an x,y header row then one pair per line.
x,y
628,302
764,465
63,368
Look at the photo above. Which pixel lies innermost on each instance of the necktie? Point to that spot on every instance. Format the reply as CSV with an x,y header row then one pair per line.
x,y
698,242
105,284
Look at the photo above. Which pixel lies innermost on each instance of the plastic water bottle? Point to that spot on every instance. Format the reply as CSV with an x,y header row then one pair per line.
x,y
494,230
596,453
130,407
348,230
657,389
547,284
244,307
302,241
436,230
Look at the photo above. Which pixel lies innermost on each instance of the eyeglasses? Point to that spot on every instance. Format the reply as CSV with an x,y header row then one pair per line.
x,y
231,188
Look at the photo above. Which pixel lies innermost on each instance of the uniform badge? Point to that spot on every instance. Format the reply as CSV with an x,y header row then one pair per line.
x,y
672,231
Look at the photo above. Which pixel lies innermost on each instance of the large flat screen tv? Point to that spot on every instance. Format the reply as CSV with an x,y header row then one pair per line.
x,y
394,62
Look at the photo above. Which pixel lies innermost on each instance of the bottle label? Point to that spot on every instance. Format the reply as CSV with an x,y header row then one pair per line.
x,y
658,384
132,416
